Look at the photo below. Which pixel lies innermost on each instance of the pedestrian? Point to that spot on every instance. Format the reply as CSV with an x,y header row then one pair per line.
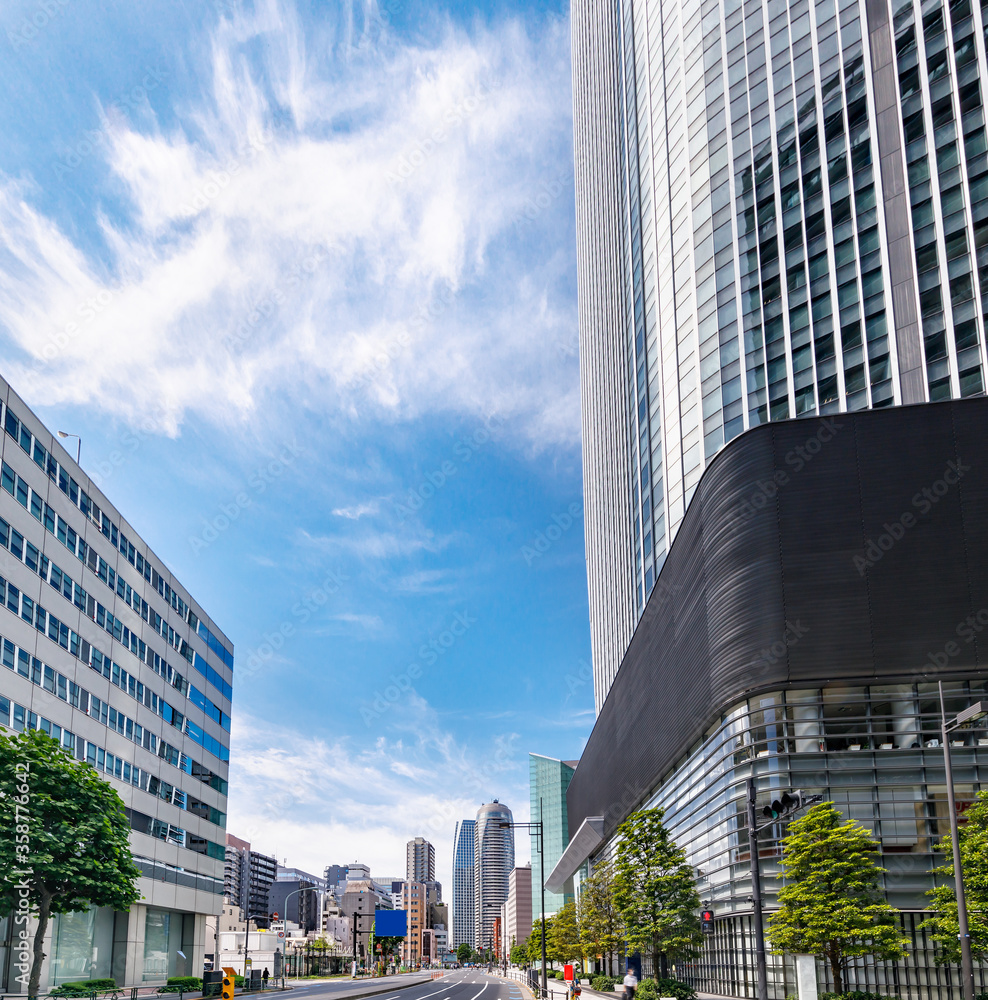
x,y
630,984
264,978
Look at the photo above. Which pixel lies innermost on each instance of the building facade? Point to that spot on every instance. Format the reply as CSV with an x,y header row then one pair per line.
x,y
494,857
548,780
782,210
248,877
822,584
420,861
107,652
518,908
296,895
464,884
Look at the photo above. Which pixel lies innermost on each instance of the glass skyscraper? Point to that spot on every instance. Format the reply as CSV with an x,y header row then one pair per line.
x,y
463,884
782,211
548,780
494,858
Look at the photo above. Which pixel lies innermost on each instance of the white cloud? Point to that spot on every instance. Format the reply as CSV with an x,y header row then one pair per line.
x,y
327,801
351,234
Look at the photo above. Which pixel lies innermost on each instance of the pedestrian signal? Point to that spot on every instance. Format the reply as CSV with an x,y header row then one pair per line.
x,y
228,974
707,921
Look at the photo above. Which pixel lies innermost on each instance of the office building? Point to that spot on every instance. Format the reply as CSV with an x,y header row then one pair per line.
x,y
420,861
494,857
334,874
414,903
548,780
804,616
249,876
296,895
107,652
518,908
781,212
362,897
464,884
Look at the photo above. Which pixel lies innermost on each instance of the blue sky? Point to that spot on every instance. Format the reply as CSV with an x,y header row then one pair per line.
x,y
303,278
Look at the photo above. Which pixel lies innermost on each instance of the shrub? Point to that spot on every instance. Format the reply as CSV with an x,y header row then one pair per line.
x,y
178,984
652,989
856,995
604,984
83,989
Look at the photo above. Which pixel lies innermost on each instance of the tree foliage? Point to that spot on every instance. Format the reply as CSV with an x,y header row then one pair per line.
x,y
463,953
563,938
973,840
76,835
832,904
654,890
600,922
533,945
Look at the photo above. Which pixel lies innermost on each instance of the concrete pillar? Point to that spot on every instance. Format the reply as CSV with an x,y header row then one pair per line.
x,y
806,977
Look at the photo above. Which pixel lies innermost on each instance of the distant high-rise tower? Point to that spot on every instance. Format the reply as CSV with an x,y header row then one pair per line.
x,y
420,861
463,931
494,858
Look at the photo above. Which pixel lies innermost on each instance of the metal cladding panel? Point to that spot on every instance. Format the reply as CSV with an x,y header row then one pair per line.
x,y
789,570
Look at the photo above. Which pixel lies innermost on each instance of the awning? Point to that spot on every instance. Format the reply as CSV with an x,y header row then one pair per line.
x,y
585,841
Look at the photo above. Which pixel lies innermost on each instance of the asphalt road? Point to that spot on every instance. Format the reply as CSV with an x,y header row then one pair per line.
x,y
458,984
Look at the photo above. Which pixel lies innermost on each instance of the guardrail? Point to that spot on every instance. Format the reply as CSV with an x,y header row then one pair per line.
x,y
139,992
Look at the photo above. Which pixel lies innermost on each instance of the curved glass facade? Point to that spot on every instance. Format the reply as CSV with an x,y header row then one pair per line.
x,y
876,753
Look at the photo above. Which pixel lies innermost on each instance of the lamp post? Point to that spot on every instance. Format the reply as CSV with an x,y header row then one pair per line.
x,y
356,918
976,711
540,847
253,916
78,450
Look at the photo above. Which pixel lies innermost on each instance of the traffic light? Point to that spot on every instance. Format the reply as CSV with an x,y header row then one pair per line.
x,y
707,921
228,974
789,802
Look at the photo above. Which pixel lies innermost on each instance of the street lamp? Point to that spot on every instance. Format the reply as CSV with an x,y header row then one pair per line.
x,y
540,845
78,450
976,711
253,916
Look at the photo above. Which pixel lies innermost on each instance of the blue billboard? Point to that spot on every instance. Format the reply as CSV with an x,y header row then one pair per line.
x,y
390,923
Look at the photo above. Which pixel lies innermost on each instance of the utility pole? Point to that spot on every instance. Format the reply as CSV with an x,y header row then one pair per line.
x,y
963,930
761,973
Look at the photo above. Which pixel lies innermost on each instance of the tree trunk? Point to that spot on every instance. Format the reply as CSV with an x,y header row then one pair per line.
x,y
835,969
44,914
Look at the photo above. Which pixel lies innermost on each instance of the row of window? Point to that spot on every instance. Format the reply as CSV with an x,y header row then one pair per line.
x,y
29,553
48,464
32,668
19,718
161,830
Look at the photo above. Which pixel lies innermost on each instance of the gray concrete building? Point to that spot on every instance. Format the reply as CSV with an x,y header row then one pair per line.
x,y
104,650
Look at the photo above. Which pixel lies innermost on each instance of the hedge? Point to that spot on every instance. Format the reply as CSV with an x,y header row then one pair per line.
x,y
652,989
82,989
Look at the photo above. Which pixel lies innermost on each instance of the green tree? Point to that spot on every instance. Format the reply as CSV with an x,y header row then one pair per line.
x,y
973,839
655,892
832,904
563,940
600,922
463,953
519,956
533,946
64,838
